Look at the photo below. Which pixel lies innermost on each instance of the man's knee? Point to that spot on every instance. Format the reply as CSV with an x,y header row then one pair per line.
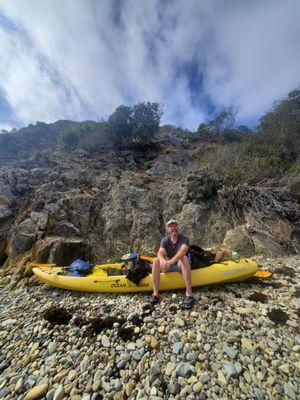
x,y
185,262
156,264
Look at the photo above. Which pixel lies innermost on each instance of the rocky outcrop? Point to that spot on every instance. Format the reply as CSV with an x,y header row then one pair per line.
x,y
239,239
103,205
6,196
59,250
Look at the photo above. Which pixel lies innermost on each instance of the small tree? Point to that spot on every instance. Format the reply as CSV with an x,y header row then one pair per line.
x,y
120,124
146,120
223,124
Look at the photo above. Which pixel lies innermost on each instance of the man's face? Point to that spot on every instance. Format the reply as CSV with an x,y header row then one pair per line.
x,y
173,228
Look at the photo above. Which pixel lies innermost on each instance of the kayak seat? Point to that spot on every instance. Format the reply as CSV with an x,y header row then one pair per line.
x,y
116,271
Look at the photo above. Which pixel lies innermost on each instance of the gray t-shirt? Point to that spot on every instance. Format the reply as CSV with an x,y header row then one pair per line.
x,y
172,249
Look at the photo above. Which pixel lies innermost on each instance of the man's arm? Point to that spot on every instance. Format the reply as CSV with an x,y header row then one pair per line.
x,y
162,256
180,253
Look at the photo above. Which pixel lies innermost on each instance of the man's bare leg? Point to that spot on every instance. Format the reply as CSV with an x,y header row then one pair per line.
x,y
186,273
156,276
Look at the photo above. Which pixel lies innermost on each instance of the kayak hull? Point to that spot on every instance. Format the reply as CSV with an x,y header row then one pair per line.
x,y
99,281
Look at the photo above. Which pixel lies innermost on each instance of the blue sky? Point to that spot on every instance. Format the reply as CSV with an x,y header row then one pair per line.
x,y
81,59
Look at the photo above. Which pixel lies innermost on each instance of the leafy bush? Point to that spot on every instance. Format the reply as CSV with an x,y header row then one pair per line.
x,y
200,185
253,169
223,128
70,139
280,128
88,135
124,127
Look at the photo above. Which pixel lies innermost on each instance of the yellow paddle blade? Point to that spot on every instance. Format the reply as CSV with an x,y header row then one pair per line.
x,y
263,274
33,264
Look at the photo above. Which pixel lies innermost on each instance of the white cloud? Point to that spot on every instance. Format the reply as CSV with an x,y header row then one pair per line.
x,y
6,127
28,84
69,60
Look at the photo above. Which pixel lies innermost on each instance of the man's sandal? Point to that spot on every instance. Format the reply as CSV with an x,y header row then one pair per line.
x,y
153,300
188,302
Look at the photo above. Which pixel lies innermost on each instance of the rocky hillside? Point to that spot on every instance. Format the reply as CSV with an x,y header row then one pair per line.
x,y
56,206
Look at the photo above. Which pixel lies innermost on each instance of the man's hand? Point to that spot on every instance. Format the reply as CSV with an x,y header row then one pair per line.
x,y
163,263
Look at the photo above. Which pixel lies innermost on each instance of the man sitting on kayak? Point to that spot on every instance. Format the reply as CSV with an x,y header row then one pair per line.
x,y
172,257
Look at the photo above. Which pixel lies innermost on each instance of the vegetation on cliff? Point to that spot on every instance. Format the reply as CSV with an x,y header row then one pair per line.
x,y
117,181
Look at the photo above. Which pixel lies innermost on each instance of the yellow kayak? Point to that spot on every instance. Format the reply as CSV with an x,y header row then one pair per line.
x,y
99,281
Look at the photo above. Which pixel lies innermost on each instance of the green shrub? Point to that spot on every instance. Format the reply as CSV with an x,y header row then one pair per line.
x,y
200,185
124,127
254,169
69,139
279,129
88,135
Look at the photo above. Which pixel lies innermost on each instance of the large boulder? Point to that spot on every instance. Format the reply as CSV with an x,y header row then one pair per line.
x,y
41,249
19,243
280,226
26,233
273,236
192,220
265,245
239,239
59,250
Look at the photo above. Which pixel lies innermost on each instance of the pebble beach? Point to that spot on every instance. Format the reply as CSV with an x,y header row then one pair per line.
x,y
240,341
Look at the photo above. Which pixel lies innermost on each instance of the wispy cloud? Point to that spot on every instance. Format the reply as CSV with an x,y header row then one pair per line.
x,y
81,59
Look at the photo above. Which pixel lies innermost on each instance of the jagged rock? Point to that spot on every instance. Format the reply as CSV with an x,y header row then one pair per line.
x,y
6,196
70,178
80,206
20,243
5,213
38,205
22,238
131,219
59,250
264,245
38,175
65,228
191,218
41,249
280,226
40,218
239,240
